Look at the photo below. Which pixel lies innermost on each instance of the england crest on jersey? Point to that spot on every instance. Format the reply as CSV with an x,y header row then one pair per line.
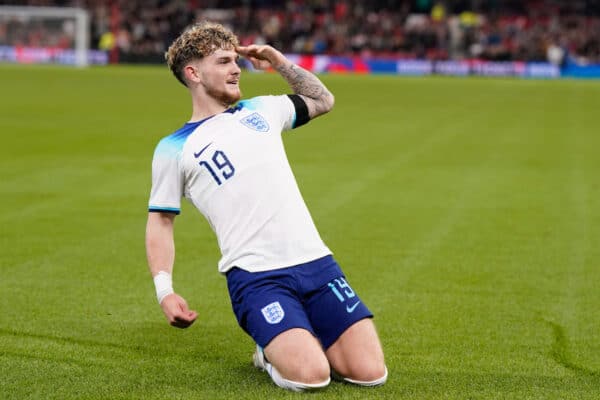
x,y
256,121
273,313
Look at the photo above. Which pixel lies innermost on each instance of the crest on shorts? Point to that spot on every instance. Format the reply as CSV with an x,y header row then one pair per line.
x,y
255,121
273,312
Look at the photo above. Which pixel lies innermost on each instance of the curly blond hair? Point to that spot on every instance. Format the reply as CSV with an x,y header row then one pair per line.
x,y
198,41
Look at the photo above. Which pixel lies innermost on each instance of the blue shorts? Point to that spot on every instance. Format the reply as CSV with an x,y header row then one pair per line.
x,y
314,296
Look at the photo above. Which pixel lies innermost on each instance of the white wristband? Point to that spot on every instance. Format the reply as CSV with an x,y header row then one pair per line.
x,y
163,282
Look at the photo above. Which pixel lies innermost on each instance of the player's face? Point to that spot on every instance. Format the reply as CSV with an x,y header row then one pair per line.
x,y
220,76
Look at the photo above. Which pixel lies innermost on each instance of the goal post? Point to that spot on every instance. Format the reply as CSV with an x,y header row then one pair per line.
x,y
72,23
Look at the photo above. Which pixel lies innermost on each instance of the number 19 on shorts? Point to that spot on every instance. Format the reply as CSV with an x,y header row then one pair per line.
x,y
344,294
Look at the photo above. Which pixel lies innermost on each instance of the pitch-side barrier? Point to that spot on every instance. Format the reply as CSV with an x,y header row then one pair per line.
x,y
355,65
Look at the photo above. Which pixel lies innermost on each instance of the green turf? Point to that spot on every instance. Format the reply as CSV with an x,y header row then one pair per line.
x,y
465,212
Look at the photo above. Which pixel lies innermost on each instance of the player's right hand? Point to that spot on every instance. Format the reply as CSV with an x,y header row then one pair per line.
x,y
261,56
177,311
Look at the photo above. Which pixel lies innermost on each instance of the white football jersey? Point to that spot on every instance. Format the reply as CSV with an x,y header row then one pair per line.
x,y
233,168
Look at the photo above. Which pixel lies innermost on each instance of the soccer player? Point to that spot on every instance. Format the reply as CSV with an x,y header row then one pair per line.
x,y
287,291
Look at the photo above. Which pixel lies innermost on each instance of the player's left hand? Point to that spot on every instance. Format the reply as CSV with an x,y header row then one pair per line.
x,y
262,57
177,311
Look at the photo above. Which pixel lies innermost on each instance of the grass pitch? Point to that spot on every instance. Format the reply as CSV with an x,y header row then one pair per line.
x,y
465,213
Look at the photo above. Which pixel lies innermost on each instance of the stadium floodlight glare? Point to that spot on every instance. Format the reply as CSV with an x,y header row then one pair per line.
x,y
79,27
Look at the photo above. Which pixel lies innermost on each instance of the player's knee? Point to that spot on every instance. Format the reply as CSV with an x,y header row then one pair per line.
x,y
373,373
367,374
307,378
298,357
315,373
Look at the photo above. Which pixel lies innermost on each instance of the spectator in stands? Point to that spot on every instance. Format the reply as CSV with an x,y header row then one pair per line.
x,y
432,29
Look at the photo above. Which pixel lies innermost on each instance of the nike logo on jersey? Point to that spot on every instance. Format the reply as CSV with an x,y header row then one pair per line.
x,y
350,309
196,155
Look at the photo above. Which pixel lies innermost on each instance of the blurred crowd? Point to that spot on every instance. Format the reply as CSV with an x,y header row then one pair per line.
x,y
538,30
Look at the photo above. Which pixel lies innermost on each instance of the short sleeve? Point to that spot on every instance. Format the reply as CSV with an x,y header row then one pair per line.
x,y
287,112
167,178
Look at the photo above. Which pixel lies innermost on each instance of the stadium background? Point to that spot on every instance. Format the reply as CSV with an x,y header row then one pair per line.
x,y
465,211
542,38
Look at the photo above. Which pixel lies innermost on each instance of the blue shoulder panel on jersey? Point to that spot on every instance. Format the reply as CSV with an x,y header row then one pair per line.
x,y
250,104
236,108
172,144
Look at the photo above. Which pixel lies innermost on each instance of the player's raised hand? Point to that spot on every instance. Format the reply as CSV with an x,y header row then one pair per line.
x,y
177,311
261,56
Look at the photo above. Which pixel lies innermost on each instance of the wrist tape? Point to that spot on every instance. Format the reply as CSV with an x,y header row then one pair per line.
x,y
163,282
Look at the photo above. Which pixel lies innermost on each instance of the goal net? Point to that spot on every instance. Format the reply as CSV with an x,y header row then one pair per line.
x,y
50,35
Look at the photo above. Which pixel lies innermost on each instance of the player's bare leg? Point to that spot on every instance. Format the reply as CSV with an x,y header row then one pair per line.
x,y
357,357
296,361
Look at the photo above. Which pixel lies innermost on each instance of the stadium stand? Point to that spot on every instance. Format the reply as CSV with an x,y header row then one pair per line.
x,y
499,30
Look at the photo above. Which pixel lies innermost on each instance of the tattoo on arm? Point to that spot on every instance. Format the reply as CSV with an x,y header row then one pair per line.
x,y
319,98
